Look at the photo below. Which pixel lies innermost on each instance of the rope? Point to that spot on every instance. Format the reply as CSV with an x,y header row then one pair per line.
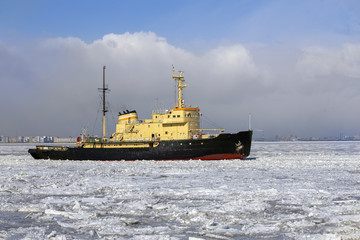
x,y
206,119
97,114
112,115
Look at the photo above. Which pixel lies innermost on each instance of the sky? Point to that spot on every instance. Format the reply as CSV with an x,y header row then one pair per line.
x,y
294,65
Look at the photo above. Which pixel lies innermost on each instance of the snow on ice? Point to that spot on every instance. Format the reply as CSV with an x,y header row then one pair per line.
x,y
293,190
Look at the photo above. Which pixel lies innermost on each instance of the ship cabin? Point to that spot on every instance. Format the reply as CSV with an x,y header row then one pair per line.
x,y
175,124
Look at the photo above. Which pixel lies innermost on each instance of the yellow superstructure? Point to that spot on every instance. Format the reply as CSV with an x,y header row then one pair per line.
x,y
182,122
179,123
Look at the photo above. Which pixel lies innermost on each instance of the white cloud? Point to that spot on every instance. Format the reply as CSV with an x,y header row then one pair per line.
x,y
320,61
59,78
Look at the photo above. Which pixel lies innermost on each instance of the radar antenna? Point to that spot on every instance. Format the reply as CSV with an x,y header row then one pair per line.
x,y
179,80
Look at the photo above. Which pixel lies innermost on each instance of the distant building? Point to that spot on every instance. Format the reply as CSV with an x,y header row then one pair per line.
x,y
286,138
4,139
64,140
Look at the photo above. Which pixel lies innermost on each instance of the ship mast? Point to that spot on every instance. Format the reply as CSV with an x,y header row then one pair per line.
x,y
180,79
104,89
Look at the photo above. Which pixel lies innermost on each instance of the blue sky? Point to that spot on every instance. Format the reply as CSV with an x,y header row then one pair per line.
x,y
185,22
294,64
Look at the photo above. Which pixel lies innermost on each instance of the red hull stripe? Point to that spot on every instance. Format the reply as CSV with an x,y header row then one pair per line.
x,y
210,157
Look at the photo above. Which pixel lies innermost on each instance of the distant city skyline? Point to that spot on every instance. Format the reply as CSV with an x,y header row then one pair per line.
x,y
293,65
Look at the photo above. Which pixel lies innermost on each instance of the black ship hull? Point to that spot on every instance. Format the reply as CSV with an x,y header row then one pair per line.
x,y
224,146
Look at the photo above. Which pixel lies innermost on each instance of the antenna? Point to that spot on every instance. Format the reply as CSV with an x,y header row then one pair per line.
x,y
249,121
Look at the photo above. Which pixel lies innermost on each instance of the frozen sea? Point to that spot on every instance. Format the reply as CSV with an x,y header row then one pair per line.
x,y
293,190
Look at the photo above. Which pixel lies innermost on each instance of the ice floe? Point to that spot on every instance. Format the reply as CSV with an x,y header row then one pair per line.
x,y
295,190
